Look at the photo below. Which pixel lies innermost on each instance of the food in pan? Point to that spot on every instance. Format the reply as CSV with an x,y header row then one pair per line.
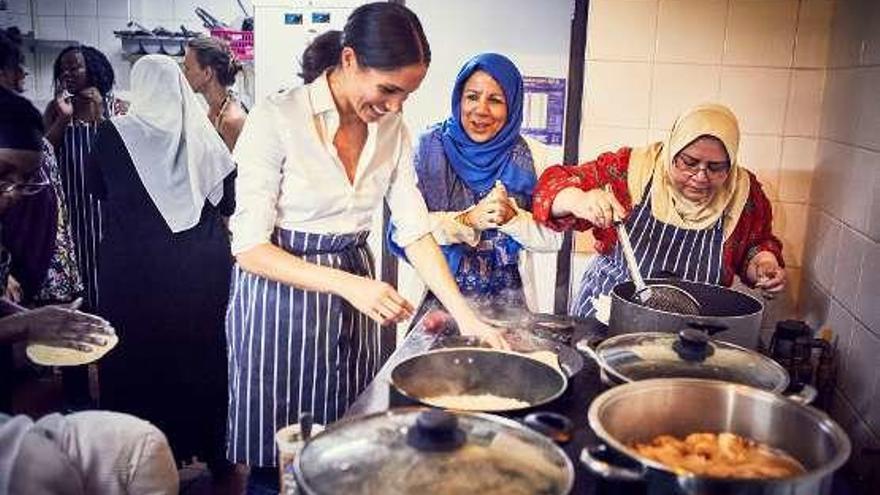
x,y
722,455
480,402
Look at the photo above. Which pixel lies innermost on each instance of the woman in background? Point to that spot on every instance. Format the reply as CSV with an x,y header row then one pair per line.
x,y
83,85
210,67
476,173
692,210
161,174
36,230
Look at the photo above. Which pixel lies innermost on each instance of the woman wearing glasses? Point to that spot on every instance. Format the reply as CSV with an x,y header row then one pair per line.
x,y
691,210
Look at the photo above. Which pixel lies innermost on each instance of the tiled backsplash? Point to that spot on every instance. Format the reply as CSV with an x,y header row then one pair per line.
x,y
92,22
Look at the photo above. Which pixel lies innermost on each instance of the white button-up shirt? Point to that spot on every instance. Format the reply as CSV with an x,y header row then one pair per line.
x,y
290,175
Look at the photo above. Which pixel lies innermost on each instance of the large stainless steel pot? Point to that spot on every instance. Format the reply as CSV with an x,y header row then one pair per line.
x,y
721,309
430,452
640,411
476,371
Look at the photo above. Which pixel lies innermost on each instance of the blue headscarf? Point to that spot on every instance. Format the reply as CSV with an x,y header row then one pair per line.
x,y
480,164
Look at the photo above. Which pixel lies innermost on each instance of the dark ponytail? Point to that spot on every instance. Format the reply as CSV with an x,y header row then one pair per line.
x,y
383,35
321,54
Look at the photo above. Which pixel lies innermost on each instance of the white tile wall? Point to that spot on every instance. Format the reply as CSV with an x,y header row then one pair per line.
x,y
844,47
761,154
842,326
676,87
871,53
861,370
50,7
804,107
845,190
856,189
796,170
691,31
761,32
113,8
19,6
813,31
874,208
633,20
758,96
840,105
848,267
868,87
867,308
51,27
598,139
617,94
83,29
820,253
790,225
85,8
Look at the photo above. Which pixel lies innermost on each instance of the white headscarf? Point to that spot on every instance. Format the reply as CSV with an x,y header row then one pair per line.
x,y
178,155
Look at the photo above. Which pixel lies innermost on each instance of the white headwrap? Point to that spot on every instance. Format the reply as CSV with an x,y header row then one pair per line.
x,y
178,155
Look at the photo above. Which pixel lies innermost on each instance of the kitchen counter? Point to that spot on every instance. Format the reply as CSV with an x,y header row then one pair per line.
x,y
583,387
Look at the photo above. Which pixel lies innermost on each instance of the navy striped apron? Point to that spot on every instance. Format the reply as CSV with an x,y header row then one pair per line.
x,y
82,207
662,250
292,350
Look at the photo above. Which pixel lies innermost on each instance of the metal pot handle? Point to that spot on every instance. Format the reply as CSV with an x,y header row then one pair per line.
x,y
805,396
607,470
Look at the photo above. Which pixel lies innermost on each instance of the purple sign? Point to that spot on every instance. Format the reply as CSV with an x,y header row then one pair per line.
x,y
544,108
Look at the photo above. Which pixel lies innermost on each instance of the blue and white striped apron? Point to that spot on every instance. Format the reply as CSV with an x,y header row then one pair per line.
x,y
83,208
662,250
292,350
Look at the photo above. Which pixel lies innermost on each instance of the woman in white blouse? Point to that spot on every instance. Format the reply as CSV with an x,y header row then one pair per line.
x,y
314,164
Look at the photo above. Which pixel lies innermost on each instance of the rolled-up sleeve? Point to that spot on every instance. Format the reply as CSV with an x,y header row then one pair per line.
x,y
260,155
408,211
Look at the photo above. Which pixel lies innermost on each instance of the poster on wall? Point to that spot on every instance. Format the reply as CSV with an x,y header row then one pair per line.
x,y
544,108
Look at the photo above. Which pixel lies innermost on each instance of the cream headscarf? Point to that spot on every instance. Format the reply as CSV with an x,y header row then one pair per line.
x,y
654,161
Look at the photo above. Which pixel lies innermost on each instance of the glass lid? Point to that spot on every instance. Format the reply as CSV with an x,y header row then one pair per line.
x,y
430,451
688,354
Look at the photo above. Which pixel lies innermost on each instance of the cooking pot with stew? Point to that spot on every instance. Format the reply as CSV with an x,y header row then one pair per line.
x,y
627,417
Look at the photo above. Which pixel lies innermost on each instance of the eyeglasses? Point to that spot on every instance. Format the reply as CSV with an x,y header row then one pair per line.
x,y
692,166
25,188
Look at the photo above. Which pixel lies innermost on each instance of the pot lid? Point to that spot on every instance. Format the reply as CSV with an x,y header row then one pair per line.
x,y
688,354
430,451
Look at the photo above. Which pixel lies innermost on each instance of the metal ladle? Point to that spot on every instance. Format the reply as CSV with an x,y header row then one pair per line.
x,y
663,297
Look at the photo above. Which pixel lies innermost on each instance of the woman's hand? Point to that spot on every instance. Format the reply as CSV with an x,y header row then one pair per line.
x,y
486,333
493,211
64,106
765,273
597,206
13,290
376,299
60,326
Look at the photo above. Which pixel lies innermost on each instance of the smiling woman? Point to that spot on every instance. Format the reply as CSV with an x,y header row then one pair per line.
x,y
476,173
314,163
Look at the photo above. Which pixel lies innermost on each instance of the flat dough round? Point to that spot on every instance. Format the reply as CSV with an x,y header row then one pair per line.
x,y
47,355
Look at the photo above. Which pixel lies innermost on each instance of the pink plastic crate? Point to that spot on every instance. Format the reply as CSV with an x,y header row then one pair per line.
x,y
241,42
